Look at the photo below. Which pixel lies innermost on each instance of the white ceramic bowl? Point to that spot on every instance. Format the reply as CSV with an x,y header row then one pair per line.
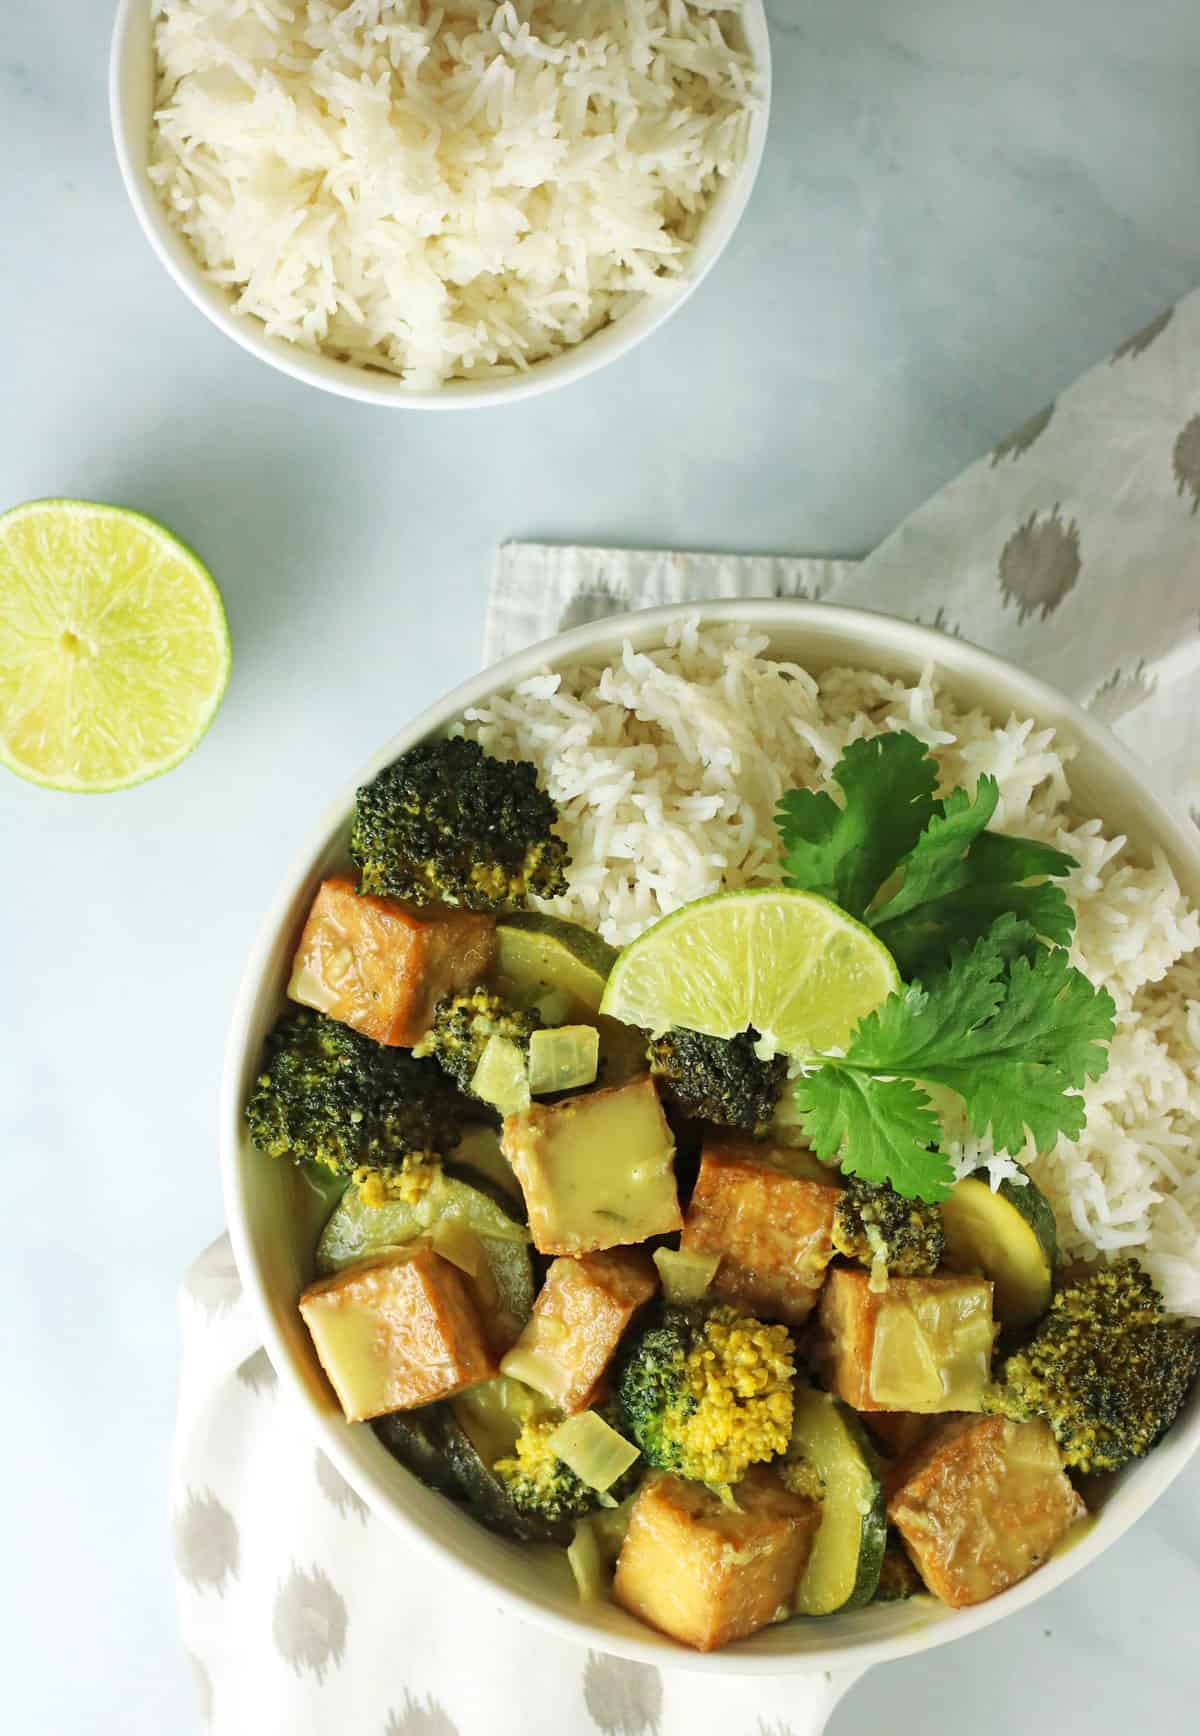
x,y
273,1243
131,102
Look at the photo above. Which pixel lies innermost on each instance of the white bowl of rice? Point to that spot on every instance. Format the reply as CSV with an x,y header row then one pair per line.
x,y
439,207
666,739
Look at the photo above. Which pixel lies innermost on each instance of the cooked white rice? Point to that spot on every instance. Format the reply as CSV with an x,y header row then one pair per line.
x,y
451,191
667,767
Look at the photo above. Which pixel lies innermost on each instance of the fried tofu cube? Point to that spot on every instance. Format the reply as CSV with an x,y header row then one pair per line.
x,y
707,1574
597,1171
382,967
772,1228
397,1332
981,1504
577,1321
920,1344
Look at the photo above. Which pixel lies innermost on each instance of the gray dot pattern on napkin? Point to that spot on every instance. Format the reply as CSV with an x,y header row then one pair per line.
x,y
1016,445
213,1282
337,1490
1186,460
424,1717
1124,689
207,1549
941,623
1040,563
204,1689
309,1623
588,606
257,1373
1140,342
622,1698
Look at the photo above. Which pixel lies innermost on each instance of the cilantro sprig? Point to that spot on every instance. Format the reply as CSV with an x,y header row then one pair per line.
x,y
924,873
1011,1027
994,1012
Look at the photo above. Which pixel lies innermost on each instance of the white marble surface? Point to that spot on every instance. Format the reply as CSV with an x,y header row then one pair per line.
x,y
962,206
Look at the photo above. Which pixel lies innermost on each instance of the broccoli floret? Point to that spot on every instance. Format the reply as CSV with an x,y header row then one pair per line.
x,y
879,1227
718,1079
1106,1369
537,1481
333,1097
540,1484
707,1393
448,824
462,1025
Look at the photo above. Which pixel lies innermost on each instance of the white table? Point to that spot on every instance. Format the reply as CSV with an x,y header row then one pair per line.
x,y
963,206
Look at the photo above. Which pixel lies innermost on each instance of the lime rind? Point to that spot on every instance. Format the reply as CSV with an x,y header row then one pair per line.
x,y
67,566
791,964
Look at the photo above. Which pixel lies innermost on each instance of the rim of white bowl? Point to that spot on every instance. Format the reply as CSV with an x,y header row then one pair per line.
x,y
1149,1479
367,386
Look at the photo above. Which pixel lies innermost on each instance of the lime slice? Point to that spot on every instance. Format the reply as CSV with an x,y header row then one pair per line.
x,y
114,652
793,965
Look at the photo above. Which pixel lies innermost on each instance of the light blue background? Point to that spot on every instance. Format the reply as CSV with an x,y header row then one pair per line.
x,y
962,206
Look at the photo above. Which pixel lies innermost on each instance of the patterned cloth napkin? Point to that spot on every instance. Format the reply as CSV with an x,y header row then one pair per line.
x,y
1073,548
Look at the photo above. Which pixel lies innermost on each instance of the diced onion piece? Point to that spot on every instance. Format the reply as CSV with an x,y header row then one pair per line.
x,y
591,1448
563,1059
501,1078
685,1275
533,1367
583,1553
461,1246
903,1361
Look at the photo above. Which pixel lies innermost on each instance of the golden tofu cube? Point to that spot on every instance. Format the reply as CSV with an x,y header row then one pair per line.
x,y
381,966
706,1574
981,1504
772,1228
920,1344
597,1171
397,1332
577,1321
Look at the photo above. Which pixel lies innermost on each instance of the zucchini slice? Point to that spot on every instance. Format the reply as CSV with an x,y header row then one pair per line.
x,y
539,956
357,1231
1007,1236
536,952
847,1552
415,1438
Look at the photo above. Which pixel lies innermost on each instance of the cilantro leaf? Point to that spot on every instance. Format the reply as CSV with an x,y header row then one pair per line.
x,y
879,1129
996,857
1010,1026
936,863
917,1024
958,878
991,1013
924,874
922,942
1019,1071
846,853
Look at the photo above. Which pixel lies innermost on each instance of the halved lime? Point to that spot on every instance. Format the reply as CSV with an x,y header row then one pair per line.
x,y
791,964
114,652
